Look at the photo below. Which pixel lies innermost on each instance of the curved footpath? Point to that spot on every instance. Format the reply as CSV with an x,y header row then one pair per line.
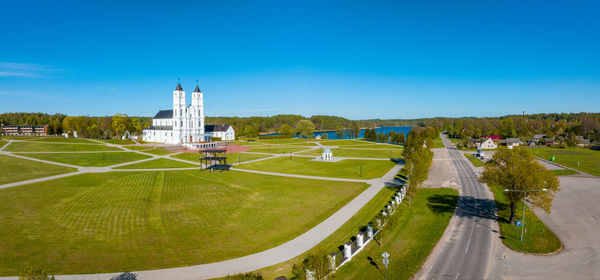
x,y
281,253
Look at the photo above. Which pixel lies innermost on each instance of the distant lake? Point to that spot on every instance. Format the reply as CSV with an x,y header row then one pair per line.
x,y
347,132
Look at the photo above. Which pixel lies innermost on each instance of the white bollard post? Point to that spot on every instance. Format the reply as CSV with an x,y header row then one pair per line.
x,y
384,213
369,232
360,239
348,250
389,208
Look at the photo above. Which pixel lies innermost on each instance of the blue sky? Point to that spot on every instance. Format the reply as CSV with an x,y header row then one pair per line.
x,y
356,59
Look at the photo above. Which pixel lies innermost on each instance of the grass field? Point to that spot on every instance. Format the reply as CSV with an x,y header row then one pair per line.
x,y
124,221
55,147
287,141
342,142
538,238
158,163
158,151
231,158
586,160
416,231
276,150
374,146
339,237
62,140
360,153
564,172
2,143
349,168
137,148
15,169
90,159
117,141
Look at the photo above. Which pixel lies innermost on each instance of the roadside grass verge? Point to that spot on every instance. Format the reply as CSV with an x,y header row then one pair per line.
x,y
475,161
14,169
564,172
89,159
538,239
158,163
231,158
437,142
359,153
348,168
409,240
583,159
129,221
56,147
339,237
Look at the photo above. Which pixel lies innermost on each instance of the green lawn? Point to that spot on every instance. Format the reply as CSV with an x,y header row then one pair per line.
x,y
360,153
90,159
475,161
158,151
342,142
2,143
538,238
564,172
14,169
349,168
158,163
55,147
339,237
287,141
409,241
62,140
586,160
276,149
231,158
137,148
374,146
118,141
126,221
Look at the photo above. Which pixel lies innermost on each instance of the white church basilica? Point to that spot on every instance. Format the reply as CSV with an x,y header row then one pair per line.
x,y
183,124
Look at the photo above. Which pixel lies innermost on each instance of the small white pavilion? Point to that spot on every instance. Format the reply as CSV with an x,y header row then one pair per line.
x,y
327,155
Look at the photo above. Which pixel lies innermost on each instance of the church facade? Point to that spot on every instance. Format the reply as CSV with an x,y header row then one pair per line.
x,y
183,124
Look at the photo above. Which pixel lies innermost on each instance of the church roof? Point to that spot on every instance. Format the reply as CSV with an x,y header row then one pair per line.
x,y
179,87
164,114
216,127
197,89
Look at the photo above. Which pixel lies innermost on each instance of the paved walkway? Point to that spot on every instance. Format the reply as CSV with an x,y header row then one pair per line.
x,y
281,253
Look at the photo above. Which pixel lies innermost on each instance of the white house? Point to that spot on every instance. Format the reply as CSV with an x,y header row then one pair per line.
x,y
225,132
327,154
513,142
182,124
488,144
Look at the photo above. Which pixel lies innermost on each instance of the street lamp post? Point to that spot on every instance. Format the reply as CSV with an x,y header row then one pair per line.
x,y
524,197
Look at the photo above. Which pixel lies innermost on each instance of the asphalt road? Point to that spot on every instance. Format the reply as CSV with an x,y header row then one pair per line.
x,y
466,253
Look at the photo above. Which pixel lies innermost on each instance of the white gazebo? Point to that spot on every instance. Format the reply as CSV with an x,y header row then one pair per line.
x,y
326,154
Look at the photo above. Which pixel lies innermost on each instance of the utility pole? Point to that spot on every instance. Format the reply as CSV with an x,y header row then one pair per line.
x,y
524,199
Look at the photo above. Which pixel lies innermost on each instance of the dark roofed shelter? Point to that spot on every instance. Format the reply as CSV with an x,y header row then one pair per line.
x,y
214,159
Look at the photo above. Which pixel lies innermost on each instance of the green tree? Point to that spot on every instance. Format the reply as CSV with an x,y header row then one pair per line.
x,y
317,263
305,128
120,123
286,130
355,129
35,273
324,136
519,170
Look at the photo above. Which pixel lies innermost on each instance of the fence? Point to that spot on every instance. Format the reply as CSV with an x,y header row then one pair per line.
x,y
360,241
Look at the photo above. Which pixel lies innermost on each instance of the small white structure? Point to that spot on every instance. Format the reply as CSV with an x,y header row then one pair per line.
x,y
488,144
327,155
